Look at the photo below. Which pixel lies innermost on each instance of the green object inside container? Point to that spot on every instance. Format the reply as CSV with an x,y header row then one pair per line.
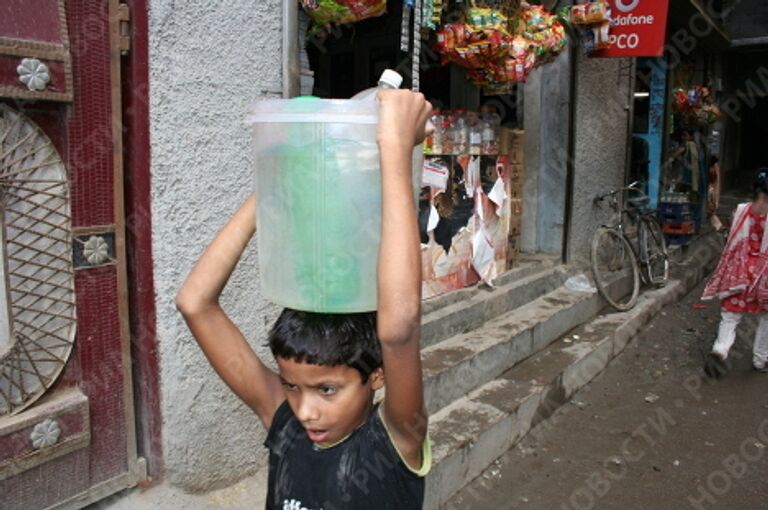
x,y
319,191
323,271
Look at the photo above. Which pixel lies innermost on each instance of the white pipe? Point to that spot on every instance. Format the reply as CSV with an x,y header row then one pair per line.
x,y
290,49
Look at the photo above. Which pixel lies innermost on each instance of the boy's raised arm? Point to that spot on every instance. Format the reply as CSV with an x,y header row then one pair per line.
x,y
221,341
403,115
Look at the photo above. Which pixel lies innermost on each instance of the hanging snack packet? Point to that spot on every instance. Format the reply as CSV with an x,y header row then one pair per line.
x,y
476,17
364,9
445,41
597,12
536,18
587,39
326,12
579,14
602,36
437,11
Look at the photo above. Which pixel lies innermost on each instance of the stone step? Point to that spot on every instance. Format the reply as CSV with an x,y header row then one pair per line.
x,y
472,431
467,309
454,367
526,265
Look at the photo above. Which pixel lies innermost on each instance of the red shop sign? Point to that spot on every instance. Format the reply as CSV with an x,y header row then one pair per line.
x,y
639,30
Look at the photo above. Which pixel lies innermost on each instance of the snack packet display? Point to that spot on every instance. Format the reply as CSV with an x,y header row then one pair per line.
x,y
498,50
591,13
695,106
593,21
433,12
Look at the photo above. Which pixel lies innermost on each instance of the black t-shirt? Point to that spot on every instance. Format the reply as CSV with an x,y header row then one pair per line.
x,y
364,471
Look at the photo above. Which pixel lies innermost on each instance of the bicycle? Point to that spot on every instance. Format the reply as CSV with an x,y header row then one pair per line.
x,y
614,256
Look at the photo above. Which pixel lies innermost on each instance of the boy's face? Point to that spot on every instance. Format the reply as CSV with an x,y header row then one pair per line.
x,y
329,401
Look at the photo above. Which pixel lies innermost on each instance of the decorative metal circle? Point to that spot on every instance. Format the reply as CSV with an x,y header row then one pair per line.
x,y
34,193
96,250
45,433
34,74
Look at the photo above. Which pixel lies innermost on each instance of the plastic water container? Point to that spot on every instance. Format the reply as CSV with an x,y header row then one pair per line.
x,y
318,187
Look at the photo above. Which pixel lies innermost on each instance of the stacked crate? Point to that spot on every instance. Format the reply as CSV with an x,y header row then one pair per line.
x,y
678,221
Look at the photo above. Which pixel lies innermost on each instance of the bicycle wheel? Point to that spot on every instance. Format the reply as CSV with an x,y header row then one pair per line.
x,y
653,253
614,265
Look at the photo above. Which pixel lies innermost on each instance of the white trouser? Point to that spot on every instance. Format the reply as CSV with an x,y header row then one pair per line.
x,y
726,335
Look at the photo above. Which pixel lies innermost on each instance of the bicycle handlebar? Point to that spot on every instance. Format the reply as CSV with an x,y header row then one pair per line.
x,y
613,193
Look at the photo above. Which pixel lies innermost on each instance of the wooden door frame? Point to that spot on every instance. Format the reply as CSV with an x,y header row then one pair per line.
x,y
117,14
119,210
136,180
128,72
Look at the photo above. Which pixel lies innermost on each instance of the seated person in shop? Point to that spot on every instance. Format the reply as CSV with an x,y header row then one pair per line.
x,y
330,446
684,173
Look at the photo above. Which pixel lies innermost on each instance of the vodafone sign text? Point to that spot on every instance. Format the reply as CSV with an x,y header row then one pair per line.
x,y
640,28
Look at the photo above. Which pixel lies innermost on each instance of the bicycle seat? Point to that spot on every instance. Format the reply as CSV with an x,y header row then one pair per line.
x,y
638,202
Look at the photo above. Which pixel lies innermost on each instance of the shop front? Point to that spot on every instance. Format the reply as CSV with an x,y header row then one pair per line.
x,y
677,131
472,62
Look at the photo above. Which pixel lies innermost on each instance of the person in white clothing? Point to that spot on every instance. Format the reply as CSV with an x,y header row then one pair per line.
x,y
740,280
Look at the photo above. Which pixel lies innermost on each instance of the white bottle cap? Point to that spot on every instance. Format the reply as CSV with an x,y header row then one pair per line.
x,y
390,79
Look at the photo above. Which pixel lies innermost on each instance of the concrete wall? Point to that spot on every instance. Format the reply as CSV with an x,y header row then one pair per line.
x,y
209,61
602,109
529,235
546,102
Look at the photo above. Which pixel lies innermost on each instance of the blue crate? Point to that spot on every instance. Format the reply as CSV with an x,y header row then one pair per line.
x,y
697,218
675,209
677,239
676,219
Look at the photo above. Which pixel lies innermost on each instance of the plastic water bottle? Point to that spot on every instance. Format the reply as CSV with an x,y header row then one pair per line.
x,y
475,135
461,140
389,80
438,135
490,135
448,132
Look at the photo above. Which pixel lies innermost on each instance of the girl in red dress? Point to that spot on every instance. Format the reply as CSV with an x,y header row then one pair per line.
x,y
740,280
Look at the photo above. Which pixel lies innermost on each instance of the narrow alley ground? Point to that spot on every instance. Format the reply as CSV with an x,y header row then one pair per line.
x,y
649,433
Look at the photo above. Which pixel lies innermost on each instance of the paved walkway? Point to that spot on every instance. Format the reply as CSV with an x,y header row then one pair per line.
x,y
650,433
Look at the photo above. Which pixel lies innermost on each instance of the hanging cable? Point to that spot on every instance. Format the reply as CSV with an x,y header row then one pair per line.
x,y
418,15
405,27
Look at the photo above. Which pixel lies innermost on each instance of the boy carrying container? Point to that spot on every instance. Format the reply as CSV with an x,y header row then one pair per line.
x,y
329,446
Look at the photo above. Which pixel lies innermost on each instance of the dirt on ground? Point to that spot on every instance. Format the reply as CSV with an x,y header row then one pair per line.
x,y
651,432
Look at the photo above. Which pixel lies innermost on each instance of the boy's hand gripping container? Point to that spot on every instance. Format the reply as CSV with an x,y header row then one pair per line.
x,y
318,188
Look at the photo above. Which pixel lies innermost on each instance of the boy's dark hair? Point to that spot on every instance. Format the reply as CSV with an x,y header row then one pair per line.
x,y
760,182
328,339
